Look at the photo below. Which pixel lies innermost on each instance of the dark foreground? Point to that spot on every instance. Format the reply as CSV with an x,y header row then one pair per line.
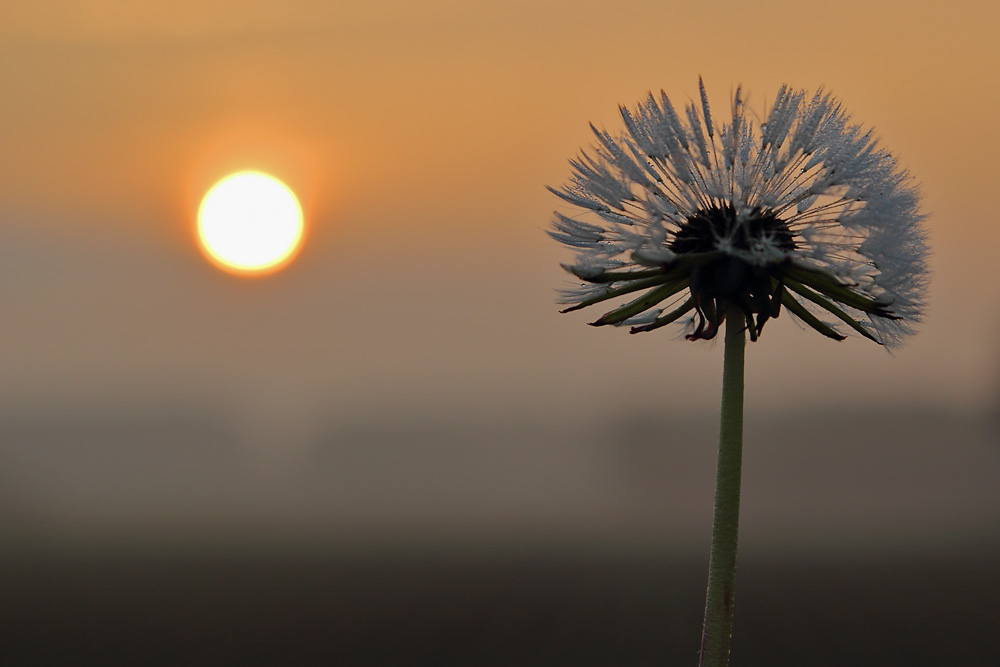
x,y
489,610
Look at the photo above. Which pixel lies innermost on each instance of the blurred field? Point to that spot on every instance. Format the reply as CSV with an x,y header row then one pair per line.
x,y
490,609
155,538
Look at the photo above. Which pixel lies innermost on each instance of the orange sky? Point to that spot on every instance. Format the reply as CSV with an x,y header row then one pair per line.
x,y
419,138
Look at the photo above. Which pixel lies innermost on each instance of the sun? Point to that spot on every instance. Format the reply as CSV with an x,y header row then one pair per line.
x,y
250,223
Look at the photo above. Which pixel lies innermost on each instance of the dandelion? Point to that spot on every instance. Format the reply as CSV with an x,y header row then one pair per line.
x,y
680,220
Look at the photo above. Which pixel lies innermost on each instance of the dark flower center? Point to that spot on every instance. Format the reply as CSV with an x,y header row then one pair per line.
x,y
701,231
729,280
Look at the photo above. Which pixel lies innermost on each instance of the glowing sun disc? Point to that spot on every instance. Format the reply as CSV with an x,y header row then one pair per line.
x,y
250,223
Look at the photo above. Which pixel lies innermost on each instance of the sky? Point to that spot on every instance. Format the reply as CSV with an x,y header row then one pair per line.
x,y
420,139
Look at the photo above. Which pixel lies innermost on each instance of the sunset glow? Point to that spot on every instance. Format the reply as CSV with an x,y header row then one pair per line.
x,y
250,223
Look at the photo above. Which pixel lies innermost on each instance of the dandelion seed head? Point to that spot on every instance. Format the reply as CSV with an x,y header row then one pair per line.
x,y
803,211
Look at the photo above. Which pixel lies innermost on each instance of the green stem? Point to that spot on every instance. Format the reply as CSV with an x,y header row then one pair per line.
x,y
718,626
